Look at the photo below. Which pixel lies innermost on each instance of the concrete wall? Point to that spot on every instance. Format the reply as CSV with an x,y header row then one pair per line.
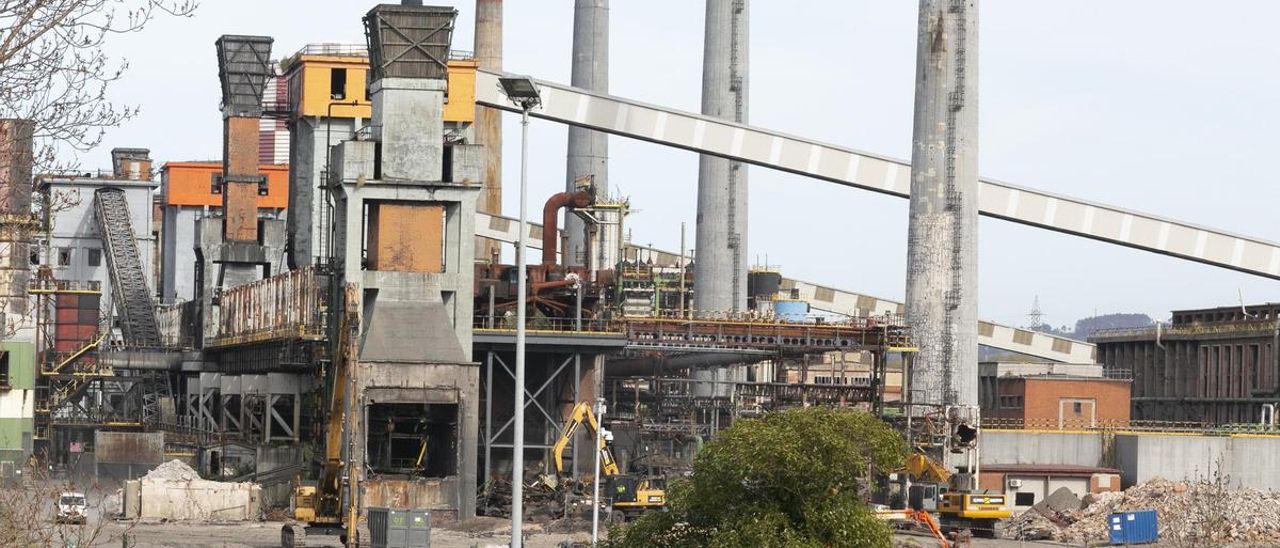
x,y
1013,447
1241,460
195,500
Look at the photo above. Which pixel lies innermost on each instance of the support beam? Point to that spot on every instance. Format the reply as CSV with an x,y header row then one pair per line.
x,y
848,167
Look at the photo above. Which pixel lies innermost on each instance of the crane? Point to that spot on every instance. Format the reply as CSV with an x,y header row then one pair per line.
x,y
320,507
631,495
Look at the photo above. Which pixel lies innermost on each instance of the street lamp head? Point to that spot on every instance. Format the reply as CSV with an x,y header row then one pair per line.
x,y
521,90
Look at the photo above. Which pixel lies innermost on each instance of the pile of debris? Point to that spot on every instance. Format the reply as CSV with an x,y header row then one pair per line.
x,y
541,502
175,491
1202,513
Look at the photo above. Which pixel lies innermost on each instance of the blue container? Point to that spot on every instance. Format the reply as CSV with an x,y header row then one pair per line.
x,y
1138,527
788,310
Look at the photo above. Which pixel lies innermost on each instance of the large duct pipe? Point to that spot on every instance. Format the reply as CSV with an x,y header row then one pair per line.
x,y
550,233
720,268
942,241
588,150
488,125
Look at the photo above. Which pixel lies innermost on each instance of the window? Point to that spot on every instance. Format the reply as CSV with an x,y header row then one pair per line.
x,y
1024,499
338,83
1077,408
64,256
4,369
1011,402
35,257
95,256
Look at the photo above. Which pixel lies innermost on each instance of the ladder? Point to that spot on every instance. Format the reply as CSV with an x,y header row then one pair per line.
x,y
128,281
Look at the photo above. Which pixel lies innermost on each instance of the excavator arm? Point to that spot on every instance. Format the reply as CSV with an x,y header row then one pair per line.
x,y
582,413
921,467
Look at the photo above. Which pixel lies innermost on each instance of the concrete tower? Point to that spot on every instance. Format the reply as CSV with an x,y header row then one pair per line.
x,y
942,241
588,150
720,268
488,124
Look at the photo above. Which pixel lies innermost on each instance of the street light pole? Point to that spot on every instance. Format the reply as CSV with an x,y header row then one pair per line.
x,y
595,483
517,445
522,91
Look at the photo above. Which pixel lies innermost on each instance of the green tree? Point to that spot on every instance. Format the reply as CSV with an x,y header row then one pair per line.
x,y
795,478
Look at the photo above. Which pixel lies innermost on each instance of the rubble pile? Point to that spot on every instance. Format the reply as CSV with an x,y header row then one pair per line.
x,y
174,470
1200,513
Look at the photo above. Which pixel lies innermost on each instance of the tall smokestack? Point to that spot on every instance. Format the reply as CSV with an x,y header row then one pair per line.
x,y
16,222
588,150
720,271
942,241
488,125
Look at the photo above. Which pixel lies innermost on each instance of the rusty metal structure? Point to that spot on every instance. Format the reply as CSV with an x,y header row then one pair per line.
x,y
1214,366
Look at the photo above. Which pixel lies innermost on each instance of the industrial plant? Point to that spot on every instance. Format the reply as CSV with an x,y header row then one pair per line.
x,y
339,321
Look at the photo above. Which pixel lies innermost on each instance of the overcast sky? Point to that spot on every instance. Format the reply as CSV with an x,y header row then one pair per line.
x,y
1164,106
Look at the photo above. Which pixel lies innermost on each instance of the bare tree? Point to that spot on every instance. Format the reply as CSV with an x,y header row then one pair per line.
x,y
54,69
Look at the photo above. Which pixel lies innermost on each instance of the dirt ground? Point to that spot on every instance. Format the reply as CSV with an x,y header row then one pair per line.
x,y
480,533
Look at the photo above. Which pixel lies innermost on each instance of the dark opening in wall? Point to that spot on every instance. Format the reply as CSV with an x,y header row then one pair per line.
x,y
419,440
338,84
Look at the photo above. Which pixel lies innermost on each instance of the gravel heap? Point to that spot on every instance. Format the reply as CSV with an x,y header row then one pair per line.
x,y
1199,513
174,470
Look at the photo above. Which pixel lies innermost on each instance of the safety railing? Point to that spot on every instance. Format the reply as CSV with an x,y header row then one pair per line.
x,y
1144,426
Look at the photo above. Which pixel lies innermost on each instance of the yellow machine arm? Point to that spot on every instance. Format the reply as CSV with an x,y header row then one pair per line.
x,y
921,467
581,412
329,488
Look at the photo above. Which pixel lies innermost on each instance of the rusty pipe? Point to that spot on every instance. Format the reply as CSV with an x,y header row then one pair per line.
x,y
550,238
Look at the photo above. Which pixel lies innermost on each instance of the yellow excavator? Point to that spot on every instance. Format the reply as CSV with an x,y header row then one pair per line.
x,y
319,509
935,488
631,495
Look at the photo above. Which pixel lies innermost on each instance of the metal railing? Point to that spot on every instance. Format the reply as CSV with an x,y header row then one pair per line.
x,y
1142,426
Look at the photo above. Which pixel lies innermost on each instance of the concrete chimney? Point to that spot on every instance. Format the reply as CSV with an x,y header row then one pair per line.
x,y
942,241
488,124
720,270
133,164
408,62
588,150
16,221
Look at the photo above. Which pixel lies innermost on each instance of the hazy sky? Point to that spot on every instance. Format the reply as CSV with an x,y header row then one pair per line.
x,y
1163,106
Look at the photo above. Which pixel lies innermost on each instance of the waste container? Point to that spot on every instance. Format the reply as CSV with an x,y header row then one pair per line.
x,y
397,528
1137,527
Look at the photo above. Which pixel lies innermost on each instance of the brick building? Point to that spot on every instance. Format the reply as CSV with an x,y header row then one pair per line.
x,y
1052,395
1213,365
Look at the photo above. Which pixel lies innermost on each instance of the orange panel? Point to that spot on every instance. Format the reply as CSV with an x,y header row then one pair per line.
x,y
406,237
188,184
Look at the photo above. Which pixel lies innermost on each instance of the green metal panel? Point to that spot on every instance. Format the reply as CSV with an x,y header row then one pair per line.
x,y
12,430
22,364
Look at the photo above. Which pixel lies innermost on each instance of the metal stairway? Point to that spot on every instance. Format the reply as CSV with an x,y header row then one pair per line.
x,y
128,281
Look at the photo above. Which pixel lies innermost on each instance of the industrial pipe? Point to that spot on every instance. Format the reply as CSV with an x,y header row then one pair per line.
x,y
550,226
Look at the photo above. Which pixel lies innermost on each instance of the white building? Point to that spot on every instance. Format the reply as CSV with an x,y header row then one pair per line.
x,y
73,248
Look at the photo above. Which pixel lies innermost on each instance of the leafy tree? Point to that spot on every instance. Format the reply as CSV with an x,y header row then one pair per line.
x,y
795,478
54,69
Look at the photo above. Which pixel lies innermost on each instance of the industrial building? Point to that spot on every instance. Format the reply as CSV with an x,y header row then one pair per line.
x,y
1053,395
1214,366
351,310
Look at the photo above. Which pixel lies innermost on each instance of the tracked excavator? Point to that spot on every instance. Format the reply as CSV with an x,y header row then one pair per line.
x,y
329,506
631,495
